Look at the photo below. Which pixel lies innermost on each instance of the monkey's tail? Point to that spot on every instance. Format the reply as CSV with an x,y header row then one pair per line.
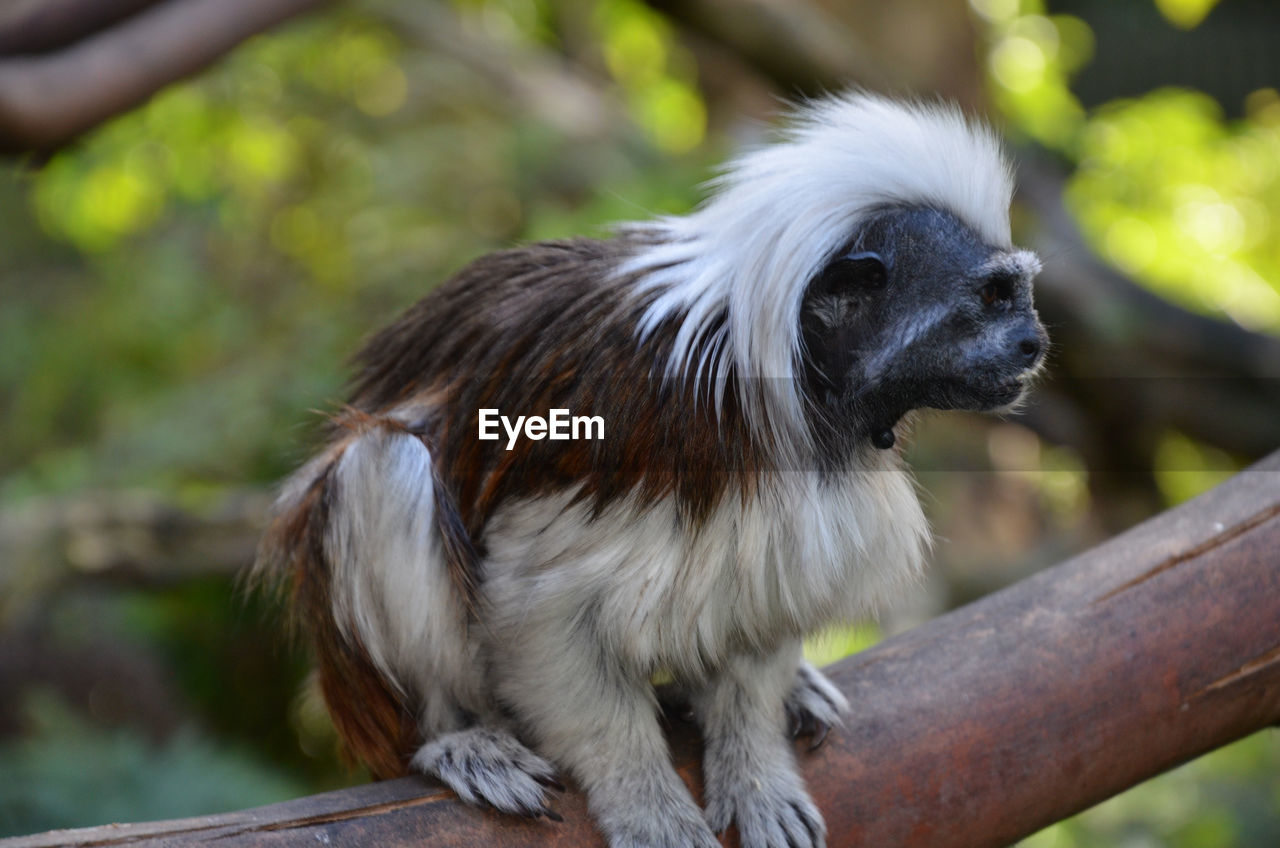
x,y
380,572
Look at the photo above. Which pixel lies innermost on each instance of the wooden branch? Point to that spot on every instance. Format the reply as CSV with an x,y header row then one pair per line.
x,y
48,100
799,45
38,26
973,730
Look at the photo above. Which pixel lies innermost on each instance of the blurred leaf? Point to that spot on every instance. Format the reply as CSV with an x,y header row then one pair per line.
x,y
839,643
656,74
1186,14
68,774
1185,468
1222,800
1174,194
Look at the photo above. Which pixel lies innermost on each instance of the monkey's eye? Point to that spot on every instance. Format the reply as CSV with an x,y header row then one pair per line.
x,y
998,290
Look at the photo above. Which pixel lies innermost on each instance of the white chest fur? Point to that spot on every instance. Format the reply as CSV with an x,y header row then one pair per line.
x,y
804,551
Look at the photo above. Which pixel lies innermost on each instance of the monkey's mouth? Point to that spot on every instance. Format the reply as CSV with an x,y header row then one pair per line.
x,y
998,393
997,390
1010,392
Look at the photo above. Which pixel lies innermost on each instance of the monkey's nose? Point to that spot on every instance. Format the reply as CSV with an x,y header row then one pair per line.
x,y
1030,347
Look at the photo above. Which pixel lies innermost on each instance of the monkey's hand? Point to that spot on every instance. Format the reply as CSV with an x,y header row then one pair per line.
x,y
750,769
490,766
814,706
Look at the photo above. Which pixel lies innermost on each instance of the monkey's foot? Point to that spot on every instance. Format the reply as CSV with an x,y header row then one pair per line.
x,y
487,766
814,705
657,814
770,810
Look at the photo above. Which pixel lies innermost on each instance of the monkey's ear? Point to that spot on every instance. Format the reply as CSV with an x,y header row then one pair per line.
x,y
863,270
867,269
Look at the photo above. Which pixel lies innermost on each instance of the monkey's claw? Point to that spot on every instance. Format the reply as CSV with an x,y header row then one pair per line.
x,y
540,813
813,706
820,731
550,782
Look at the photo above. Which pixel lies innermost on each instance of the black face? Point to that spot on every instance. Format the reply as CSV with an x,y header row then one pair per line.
x,y
917,312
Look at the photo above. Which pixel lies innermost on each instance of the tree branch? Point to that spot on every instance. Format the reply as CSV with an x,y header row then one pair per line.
x,y
799,46
48,100
973,730
122,536
38,26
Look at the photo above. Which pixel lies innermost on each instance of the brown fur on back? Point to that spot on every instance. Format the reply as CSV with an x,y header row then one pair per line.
x,y
543,327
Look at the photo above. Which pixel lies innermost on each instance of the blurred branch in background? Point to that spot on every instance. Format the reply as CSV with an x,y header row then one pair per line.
x,y
797,45
94,59
40,26
129,538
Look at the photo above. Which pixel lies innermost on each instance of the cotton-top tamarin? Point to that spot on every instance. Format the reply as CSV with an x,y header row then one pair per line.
x,y
491,611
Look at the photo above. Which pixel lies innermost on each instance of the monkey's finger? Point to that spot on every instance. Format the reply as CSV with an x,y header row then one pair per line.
x,y
549,782
539,812
820,731
815,832
536,811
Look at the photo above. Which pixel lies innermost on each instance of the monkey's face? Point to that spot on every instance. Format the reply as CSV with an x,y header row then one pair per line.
x,y
918,312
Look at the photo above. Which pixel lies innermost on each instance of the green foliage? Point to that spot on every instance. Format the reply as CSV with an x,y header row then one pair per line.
x,y
826,648
1185,468
70,774
1165,187
1225,799
657,76
1030,58
1186,14
182,289
233,240
1186,201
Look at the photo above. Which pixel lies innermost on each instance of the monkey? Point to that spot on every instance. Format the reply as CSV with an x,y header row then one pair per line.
x,y
493,612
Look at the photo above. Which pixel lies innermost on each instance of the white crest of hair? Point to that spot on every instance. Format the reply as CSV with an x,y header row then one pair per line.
x,y
779,212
